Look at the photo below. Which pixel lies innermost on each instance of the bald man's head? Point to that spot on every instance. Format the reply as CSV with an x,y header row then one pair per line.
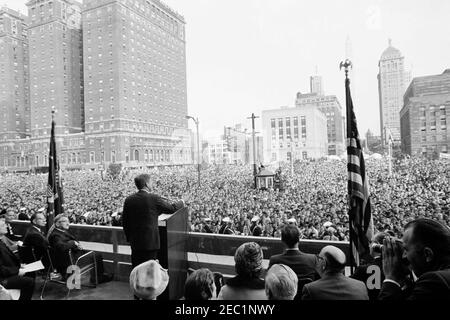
x,y
334,259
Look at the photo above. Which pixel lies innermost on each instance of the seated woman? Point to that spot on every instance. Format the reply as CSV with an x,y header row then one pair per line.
x,y
247,285
200,285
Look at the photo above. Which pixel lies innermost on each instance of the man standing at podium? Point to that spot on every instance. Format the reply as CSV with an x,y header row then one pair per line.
x,y
140,220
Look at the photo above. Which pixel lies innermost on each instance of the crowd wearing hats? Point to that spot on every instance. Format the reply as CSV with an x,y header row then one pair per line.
x,y
314,198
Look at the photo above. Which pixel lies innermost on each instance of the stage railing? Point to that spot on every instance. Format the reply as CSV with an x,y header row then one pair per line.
x,y
205,250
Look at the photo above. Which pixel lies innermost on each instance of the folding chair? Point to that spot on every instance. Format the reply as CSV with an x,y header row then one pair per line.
x,y
83,269
88,267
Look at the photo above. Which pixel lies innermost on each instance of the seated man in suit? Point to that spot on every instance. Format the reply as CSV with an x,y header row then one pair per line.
x,y
12,275
303,264
64,246
426,248
34,238
334,285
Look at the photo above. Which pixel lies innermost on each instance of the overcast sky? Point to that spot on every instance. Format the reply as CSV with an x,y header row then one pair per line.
x,y
245,56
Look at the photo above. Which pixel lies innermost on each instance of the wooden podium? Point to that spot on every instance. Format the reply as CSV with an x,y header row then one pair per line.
x,y
173,232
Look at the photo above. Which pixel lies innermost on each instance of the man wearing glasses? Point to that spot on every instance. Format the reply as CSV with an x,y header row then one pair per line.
x,y
333,285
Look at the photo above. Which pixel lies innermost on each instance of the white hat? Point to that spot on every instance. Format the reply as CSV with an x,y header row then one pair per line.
x,y
148,280
207,219
22,209
41,209
114,214
226,219
255,218
292,220
327,224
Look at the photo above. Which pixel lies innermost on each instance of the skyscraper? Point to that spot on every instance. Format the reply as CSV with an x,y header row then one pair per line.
x,y
14,79
56,66
135,82
315,84
392,83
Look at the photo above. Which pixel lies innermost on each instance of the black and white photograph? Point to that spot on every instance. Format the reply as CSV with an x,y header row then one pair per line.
x,y
240,151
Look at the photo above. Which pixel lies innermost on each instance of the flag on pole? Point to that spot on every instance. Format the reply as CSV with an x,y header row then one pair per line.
x,y
360,215
54,187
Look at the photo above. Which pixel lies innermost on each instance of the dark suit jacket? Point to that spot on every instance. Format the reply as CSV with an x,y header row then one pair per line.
x,y
434,285
335,287
303,264
9,263
140,219
35,239
61,242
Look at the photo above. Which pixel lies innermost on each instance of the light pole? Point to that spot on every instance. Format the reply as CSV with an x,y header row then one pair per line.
x,y
253,117
292,157
198,147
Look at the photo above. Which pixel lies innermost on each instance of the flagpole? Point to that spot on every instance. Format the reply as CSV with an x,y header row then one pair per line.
x,y
346,65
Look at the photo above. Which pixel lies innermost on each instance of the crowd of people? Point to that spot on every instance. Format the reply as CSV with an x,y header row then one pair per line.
x,y
315,196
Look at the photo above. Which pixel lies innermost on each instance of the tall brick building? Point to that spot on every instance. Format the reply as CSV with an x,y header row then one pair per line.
x,y
135,88
14,79
425,116
115,72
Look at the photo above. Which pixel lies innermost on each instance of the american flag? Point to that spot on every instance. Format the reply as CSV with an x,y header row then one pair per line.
x,y
360,215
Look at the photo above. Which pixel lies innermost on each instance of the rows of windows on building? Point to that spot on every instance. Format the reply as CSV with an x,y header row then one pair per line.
x,y
152,156
433,128
115,67
285,131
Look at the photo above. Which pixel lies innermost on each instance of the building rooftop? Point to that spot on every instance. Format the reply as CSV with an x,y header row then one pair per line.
x,y
390,52
11,12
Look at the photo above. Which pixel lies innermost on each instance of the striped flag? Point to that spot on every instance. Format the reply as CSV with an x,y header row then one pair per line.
x,y
360,215
54,187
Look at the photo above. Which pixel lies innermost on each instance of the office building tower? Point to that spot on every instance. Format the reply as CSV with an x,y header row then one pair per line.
x,y
135,82
14,76
392,83
56,66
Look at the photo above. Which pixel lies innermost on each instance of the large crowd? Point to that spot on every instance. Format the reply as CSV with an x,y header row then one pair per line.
x,y
315,196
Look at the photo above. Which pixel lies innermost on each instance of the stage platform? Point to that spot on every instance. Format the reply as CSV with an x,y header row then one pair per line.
x,y
114,290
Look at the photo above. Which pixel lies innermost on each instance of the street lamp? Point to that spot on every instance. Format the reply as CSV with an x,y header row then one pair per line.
x,y
198,146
